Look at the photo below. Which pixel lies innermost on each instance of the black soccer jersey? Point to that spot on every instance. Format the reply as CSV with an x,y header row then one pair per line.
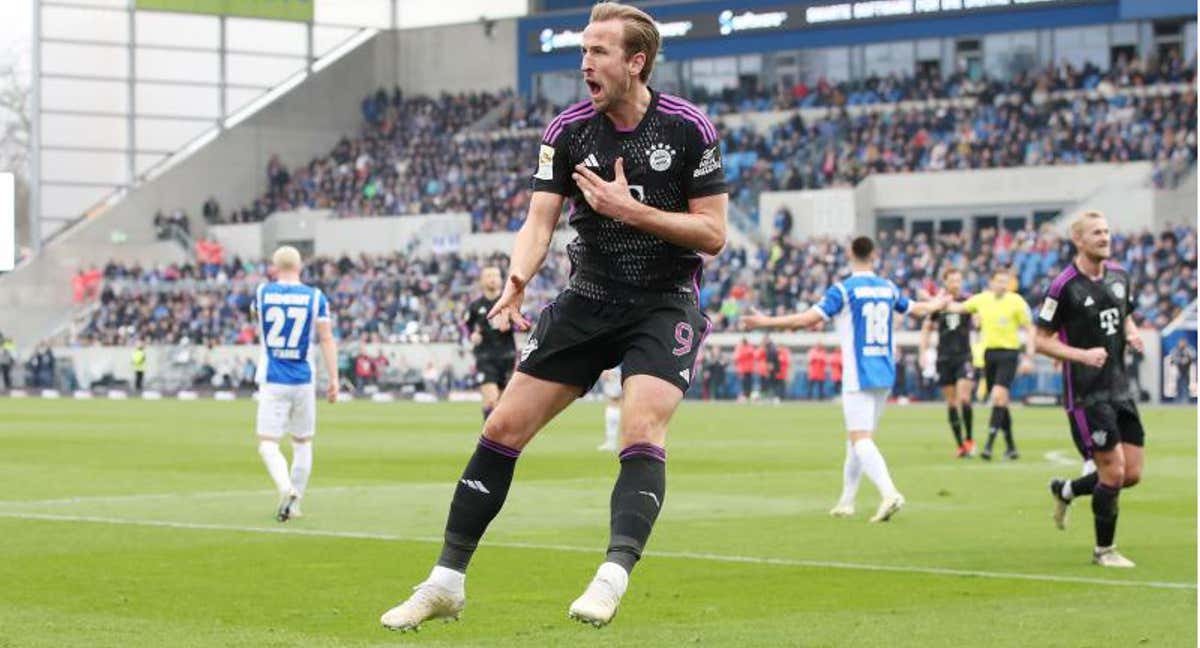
x,y
495,342
673,155
1086,314
954,334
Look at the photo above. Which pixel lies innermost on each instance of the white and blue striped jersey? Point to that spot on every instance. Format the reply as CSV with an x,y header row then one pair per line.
x,y
861,307
287,323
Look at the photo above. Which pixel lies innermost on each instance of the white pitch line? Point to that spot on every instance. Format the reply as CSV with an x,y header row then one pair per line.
x,y
688,555
1060,457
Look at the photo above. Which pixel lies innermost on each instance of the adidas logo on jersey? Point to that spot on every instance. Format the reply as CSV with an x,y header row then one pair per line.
x,y
1089,301
477,485
686,374
591,161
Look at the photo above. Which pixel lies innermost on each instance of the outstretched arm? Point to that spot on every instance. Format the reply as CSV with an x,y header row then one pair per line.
x,y
529,252
923,308
810,317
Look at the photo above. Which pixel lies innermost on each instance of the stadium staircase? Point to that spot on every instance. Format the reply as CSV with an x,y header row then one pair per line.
x,y
307,112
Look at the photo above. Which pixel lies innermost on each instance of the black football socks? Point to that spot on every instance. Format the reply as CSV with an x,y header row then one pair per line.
x,y
1104,508
477,500
637,497
956,426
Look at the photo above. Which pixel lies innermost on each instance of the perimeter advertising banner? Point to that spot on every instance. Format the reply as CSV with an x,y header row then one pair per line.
x,y
298,10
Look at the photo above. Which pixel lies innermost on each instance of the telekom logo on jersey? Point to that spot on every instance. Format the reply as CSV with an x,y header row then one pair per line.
x,y
1108,320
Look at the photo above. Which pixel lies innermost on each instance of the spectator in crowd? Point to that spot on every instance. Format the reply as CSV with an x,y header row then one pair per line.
x,y
762,370
816,372
41,367
770,386
85,284
1182,357
138,361
8,358
743,358
379,365
248,374
783,223
211,211
364,370
713,365
835,372
784,372
211,255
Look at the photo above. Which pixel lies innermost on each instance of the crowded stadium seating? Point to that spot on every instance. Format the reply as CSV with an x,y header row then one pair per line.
x,y
418,155
403,298
895,88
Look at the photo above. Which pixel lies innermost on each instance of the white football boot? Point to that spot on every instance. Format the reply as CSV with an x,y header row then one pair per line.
x,y
888,508
599,602
429,601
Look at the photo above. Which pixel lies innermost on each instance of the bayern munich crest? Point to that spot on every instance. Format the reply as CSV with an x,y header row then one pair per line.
x,y
661,156
1118,290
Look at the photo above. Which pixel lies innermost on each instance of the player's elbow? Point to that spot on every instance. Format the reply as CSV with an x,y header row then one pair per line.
x,y
713,242
714,247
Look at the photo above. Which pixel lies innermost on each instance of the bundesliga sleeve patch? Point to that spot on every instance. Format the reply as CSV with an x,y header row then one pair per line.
x,y
710,161
545,170
1049,307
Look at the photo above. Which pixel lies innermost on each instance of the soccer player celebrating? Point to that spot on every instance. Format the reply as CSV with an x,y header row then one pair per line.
x,y
1002,314
495,348
861,307
289,314
643,173
1085,322
955,371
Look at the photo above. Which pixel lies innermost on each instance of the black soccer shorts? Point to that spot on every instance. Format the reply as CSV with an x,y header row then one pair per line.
x,y
494,369
1101,426
1000,367
953,369
577,338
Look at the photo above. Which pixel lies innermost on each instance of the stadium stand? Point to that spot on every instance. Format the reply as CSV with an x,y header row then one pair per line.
x,y
401,297
420,155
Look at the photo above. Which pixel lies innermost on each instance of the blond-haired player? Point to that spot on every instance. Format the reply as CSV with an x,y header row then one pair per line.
x,y
291,316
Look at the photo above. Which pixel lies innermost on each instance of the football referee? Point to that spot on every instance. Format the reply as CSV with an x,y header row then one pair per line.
x,y
1001,315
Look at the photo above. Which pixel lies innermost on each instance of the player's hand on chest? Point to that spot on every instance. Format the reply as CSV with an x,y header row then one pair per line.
x,y
648,163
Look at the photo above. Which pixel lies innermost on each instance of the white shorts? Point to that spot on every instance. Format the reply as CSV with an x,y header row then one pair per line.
x,y
287,409
863,408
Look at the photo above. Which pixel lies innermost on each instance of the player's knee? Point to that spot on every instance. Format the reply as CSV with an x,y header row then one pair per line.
x,y
1132,477
502,428
642,429
267,446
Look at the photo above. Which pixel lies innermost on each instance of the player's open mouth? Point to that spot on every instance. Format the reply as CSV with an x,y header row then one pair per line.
x,y
593,87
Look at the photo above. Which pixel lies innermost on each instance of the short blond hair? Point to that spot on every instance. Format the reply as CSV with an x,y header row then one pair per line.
x,y
1081,221
286,258
640,32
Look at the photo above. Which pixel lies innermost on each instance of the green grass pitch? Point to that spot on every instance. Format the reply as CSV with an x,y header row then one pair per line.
x,y
150,524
